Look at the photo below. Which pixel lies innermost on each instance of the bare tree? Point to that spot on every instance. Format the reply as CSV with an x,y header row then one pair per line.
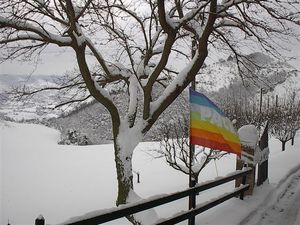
x,y
135,44
285,120
175,147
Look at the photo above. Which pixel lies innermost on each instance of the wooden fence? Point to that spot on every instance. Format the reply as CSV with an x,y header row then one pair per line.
x,y
127,210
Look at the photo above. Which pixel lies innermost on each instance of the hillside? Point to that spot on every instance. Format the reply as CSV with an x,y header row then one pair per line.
x,y
220,81
39,106
277,78
274,76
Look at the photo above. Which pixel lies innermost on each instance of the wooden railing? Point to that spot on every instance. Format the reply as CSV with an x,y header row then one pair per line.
x,y
127,210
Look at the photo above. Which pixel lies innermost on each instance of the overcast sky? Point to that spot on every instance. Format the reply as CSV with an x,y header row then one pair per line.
x,y
57,61
54,61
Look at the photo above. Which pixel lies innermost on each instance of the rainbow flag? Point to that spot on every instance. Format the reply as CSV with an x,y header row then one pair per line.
x,y
209,127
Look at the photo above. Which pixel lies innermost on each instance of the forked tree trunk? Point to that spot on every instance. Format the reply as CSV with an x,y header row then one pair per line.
x,y
122,158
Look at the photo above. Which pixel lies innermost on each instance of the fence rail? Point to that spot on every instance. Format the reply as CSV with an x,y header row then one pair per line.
x,y
130,209
203,207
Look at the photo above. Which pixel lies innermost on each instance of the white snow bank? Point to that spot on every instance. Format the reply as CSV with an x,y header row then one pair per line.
x,y
41,177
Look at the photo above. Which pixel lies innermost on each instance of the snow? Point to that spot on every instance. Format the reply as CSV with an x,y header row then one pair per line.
x,y
227,22
133,95
38,173
146,217
248,135
171,21
35,30
40,217
178,81
198,165
297,221
292,84
282,203
40,177
128,138
261,155
227,3
42,2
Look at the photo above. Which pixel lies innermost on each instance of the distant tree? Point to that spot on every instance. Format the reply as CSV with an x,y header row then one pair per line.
x,y
133,45
285,120
240,104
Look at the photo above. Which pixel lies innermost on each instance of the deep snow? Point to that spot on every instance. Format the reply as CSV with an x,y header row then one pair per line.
x,y
40,177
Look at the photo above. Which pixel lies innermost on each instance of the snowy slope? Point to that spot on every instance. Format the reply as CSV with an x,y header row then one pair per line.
x,y
274,76
35,107
41,177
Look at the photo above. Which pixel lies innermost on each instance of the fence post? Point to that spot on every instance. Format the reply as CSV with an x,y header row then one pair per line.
x,y
40,220
250,179
249,137
244,178
192,183
262,171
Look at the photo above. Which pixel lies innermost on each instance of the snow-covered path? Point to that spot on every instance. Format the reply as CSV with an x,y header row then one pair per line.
x,y
286,209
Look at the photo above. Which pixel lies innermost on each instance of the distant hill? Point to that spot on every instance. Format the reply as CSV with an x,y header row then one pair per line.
x,y
37,107
268,75
216,80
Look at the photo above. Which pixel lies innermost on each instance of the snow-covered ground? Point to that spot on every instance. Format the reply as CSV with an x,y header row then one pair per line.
x,y
284,209
40,177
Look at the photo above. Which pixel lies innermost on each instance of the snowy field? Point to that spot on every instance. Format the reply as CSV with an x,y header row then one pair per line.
x,y
40,177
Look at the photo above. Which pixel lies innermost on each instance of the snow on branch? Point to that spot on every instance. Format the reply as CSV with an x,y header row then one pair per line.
x,y
227,22
228,3
101,90
179,80
21,25
133,98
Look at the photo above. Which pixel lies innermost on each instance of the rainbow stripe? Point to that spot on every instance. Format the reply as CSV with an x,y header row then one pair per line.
x,y
209,127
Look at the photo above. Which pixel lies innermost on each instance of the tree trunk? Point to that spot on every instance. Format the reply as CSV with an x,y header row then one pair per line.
x,y
125,178
126,138
125,183
293,139
283,145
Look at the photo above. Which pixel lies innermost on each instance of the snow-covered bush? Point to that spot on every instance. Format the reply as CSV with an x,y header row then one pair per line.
x,y
74,137
175,147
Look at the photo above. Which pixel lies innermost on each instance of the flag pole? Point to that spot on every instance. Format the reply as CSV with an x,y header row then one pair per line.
x,y
192,181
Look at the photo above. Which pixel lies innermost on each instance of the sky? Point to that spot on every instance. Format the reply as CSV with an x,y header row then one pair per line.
x,y
53,61
57,61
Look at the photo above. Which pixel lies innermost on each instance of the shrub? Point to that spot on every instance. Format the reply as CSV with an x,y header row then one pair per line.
x,y
74,137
